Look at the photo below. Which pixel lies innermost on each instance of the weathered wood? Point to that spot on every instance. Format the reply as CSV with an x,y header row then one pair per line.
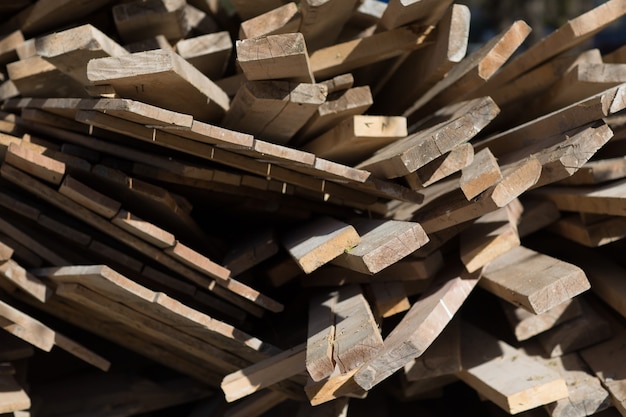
x,y
383,243
336,386
532,280
323,20
442,167
36,77
13,398
274,110
490,236
139,20
161,78
506,376
143,229
356,138
598,171
348,56
407,155
320,336
526,324
388,298
208,53
417,330
70,50
11,271
88,197
425,12
319,242
482,173
264,374
35,163
283,19
8,44
275,57
603,359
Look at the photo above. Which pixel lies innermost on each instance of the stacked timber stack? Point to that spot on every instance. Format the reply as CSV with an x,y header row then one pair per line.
x,y
246,208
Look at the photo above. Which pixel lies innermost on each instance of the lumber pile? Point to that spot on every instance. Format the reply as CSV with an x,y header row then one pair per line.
x,y
246,208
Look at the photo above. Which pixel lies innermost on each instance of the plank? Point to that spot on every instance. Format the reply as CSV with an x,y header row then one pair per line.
x,y
319,241
409,339
604,363
5,252
388,298
351,102
282,19
425,12
427,66
515,277
139,20
599,233
36,77
209,53
90,198
383,243
472,72
161,78
13,398
70,50
482,173
323,20
35,163
506,376
143,229
571,34
490,236
336,386
8,44
407,155
11,271
588,329
526,324
356,138
347,56
442,167
25,327
598,171
271,57
602,199
273,110
319,361
264,374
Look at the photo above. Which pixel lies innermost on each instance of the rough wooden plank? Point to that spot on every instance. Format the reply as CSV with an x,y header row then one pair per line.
x,y
161,78
401,12
490,236
383,243
356,138
348,56
283,19
264,374
482,173
532,280
598,171
388,298
442,167
319,242
25,327
143,229
526,324
70,50
35,163
274,57
601,232
506,376
407,155
30,284
139,20
417,330
209,53
274,110
36,77
8,44
320,336
323,20
90,198
13,398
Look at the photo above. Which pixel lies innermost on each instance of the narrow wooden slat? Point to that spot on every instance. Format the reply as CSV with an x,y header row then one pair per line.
x,y
209,53
283,19
13,398
526,324
323,20
482,173
139,20
442,167
425,12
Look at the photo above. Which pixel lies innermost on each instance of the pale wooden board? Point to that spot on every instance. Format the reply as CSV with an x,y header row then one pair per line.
x,y
356,138
13,398
571,34
273,57
143,229
320,335
8,44
209,53
388,298
348,56
506,376
282,19
70,50
161,78
30,284
35,163
36,77
25,327
273,110
490,236
425,12
319,241
599,233
139,20
472,72
264,374
405,156
383,243
482,173
526,324
605,362
598,171
23,238
532,280
336,386
322,21
427,66
88,197
442,167
417,330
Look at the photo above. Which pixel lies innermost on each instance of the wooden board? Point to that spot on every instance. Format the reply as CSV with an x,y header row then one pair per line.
x,y
139,20
482,173
442,167
410,338
319,242
161,78
425,12
209,53
526,324
275,57
505,375
322,21
515,277
282,19
13,398
383,243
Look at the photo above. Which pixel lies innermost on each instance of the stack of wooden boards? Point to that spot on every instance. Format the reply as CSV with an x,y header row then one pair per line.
x,y
239,208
